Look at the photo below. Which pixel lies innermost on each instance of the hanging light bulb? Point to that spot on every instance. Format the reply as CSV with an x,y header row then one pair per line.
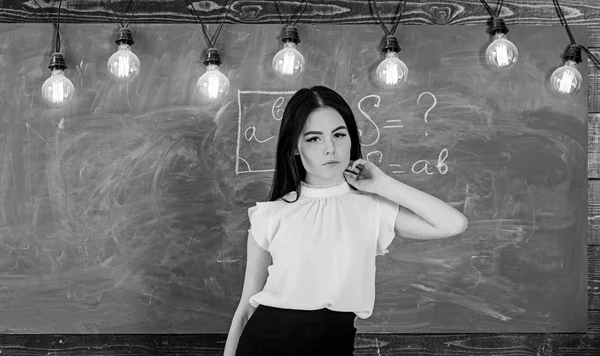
x,y
391,72
58,90
501,53
213,85
567,80
124,65
289,63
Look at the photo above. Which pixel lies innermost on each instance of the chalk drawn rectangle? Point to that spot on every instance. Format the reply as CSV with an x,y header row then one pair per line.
x,y
258,132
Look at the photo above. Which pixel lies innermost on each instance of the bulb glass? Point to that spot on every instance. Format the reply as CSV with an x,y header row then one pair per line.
x,y
566,80
212,85
391,72
58,90
502,53
124,65
288,63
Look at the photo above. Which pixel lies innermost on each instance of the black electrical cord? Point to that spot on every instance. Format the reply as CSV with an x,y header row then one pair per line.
x,y
211,43
385,30
57,42
45,14
58,28
591,55
489,9
286,17
398,19
563,20
119,18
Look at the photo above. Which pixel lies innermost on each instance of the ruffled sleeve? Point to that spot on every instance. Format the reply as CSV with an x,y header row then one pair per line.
x,y
388,211
260,224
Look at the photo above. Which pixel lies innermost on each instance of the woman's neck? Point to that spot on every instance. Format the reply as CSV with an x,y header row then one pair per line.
x,y
323,184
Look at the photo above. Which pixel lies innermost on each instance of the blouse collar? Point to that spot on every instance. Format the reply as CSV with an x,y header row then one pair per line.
x,y
330,191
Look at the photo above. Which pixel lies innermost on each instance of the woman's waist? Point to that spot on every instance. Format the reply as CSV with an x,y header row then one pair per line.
x,y
324,315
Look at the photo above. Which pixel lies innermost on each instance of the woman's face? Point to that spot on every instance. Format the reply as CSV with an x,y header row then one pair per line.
x,y
324,138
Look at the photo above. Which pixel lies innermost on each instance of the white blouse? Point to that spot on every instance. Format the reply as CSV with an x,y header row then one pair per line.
x,y
323,248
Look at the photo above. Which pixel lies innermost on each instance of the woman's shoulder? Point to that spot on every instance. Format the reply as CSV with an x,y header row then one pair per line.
x,y
271,211
275,204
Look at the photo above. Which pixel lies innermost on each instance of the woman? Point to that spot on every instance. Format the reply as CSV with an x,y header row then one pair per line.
x,y
311,248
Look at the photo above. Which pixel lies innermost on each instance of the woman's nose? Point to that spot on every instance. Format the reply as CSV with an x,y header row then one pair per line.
x,y
329,147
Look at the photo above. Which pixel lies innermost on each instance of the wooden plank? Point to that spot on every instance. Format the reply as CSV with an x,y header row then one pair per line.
x,y
594,278
538,12
594,212
365,344
593,146
594,83
460,12
594,34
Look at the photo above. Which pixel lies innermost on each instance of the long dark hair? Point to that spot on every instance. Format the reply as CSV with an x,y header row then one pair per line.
x,y
289,170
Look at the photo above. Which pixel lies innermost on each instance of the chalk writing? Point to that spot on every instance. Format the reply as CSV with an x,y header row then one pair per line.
x,y
252,131
276,111
369,117
396,165
392,126
441,166
253,157
247,163
422,165
377,153
431,107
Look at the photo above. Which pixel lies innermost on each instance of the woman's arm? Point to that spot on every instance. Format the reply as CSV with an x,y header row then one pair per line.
x,y
421,216
256,275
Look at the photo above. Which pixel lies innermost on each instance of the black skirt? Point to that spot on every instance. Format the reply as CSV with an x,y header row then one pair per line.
x,y
288,332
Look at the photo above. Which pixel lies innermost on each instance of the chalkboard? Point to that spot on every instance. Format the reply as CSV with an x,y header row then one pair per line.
x,y
127,212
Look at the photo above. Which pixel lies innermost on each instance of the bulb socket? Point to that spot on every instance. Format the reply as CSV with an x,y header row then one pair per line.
x,y
390,44
573,54
124,36
291,35
57,61
498,26
212,57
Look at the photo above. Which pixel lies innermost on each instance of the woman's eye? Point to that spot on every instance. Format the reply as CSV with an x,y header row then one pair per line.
x,y
337,135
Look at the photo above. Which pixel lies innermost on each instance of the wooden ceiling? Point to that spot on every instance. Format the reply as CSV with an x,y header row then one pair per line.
x,y
454,12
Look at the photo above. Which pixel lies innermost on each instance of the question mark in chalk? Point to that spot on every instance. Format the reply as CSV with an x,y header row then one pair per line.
x,y
432,106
